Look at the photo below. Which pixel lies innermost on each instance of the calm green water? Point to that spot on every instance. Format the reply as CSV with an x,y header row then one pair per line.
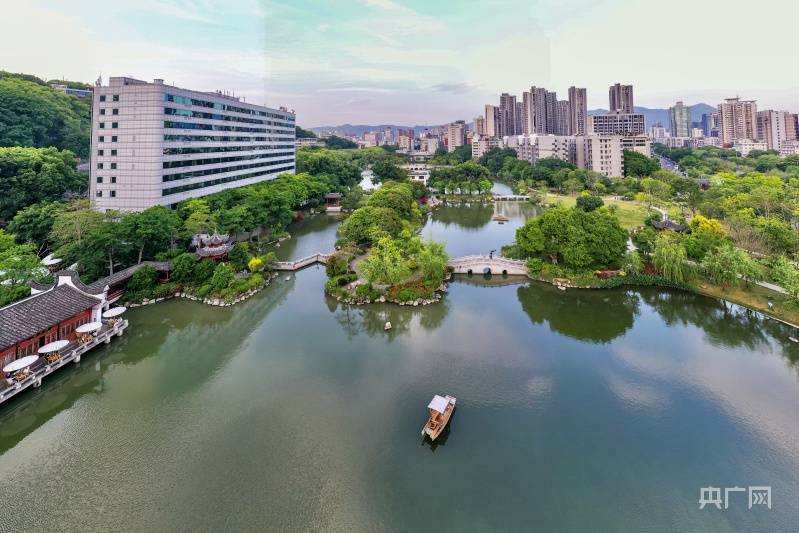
x,y
577,411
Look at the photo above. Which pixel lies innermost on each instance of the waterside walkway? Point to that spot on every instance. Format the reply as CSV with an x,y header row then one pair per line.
x,y
71,353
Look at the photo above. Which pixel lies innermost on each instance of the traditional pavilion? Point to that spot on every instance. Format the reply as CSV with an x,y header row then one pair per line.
x,y
333,202
668,225
214,246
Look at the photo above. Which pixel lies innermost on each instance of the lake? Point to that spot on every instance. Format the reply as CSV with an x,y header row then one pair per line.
x,y
577,411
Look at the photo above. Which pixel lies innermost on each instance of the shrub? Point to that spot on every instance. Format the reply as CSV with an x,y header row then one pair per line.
x,y
589,203
408,294
164,290
535,265
143,280
203,271
222,277
255,264
643,279
240,255
367,292
183,267
204,291
338,263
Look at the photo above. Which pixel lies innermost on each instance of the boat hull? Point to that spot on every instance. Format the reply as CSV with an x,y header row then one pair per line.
x,y
434,426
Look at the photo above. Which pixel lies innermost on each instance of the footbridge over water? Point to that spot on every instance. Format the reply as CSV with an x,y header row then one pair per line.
x,y
484,264
302,262
511,198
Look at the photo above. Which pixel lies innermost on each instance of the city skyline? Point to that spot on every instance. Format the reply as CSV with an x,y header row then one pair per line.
x,y
384,61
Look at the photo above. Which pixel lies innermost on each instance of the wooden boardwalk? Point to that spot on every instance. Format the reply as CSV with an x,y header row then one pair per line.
x,y
71,353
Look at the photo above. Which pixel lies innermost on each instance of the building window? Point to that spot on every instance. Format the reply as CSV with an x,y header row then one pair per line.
x,y
102,98
102,111
115,98
113,194
99,194
99,152
113,138
115,111
113,179
113,166
99,179
115,124
100,139
100,166
113,152
102,125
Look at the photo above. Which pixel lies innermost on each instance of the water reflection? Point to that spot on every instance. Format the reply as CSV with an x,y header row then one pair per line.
x,y
464,215
591,316
189,340
371,319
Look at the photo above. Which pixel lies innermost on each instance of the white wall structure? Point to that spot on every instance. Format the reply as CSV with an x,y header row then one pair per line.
x,y
155,144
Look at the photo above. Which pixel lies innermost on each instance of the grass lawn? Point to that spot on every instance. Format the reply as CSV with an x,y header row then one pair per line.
x,y
631,214
757,298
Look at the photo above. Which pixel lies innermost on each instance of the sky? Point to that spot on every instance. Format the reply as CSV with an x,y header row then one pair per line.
x,y
416,62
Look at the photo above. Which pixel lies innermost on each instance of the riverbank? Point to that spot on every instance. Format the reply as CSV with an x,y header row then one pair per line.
x,y
753,297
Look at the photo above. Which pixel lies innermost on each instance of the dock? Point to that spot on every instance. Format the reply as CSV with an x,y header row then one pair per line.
x,y
70,354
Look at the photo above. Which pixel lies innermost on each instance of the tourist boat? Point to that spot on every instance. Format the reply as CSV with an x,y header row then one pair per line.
x,y
500,218
441,408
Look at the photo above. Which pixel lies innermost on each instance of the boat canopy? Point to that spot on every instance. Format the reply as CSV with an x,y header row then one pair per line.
x,y
438,403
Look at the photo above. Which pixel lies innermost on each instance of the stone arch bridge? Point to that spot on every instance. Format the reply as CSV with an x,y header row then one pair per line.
x,y
468,264
483,264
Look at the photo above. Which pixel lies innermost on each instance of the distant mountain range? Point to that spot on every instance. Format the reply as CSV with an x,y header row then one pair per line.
x,y
653,116
659,115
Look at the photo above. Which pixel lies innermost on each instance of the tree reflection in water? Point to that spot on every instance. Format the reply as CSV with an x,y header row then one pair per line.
x,y
597,316
371,319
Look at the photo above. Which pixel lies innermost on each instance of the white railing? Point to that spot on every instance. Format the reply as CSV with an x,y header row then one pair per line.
x,y
72,352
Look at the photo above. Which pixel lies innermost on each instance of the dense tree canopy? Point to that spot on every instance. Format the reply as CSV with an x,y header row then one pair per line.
x,y
574,237
302,133
339,143
638,165
34,115
31,175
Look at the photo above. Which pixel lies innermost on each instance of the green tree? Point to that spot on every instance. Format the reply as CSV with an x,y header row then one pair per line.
x,y
31,175
669,258
787,276
366,224
574,237
223,276
655,190
182,268
638,165
34,224
386,170
432,261
339,143
589,203
706,235
34,115
385,263
632,262
151,230
240,255
728,265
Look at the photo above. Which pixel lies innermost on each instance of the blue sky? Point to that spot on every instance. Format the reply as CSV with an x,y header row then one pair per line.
x,y
416,62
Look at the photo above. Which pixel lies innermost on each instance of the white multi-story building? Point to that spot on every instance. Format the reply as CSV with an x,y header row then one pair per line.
x,y
737,120
456,135
483,143
154,144
772,128
790,147
637,143
309,142
744,146
418,172
601,153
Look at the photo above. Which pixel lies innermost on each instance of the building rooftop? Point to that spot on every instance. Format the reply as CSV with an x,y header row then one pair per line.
x,y
26,318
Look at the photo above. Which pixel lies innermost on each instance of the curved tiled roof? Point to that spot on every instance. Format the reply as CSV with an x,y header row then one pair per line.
x,y
26,318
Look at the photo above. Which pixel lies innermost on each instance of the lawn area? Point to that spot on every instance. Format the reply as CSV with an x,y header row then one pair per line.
x,y
757,298
631,214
